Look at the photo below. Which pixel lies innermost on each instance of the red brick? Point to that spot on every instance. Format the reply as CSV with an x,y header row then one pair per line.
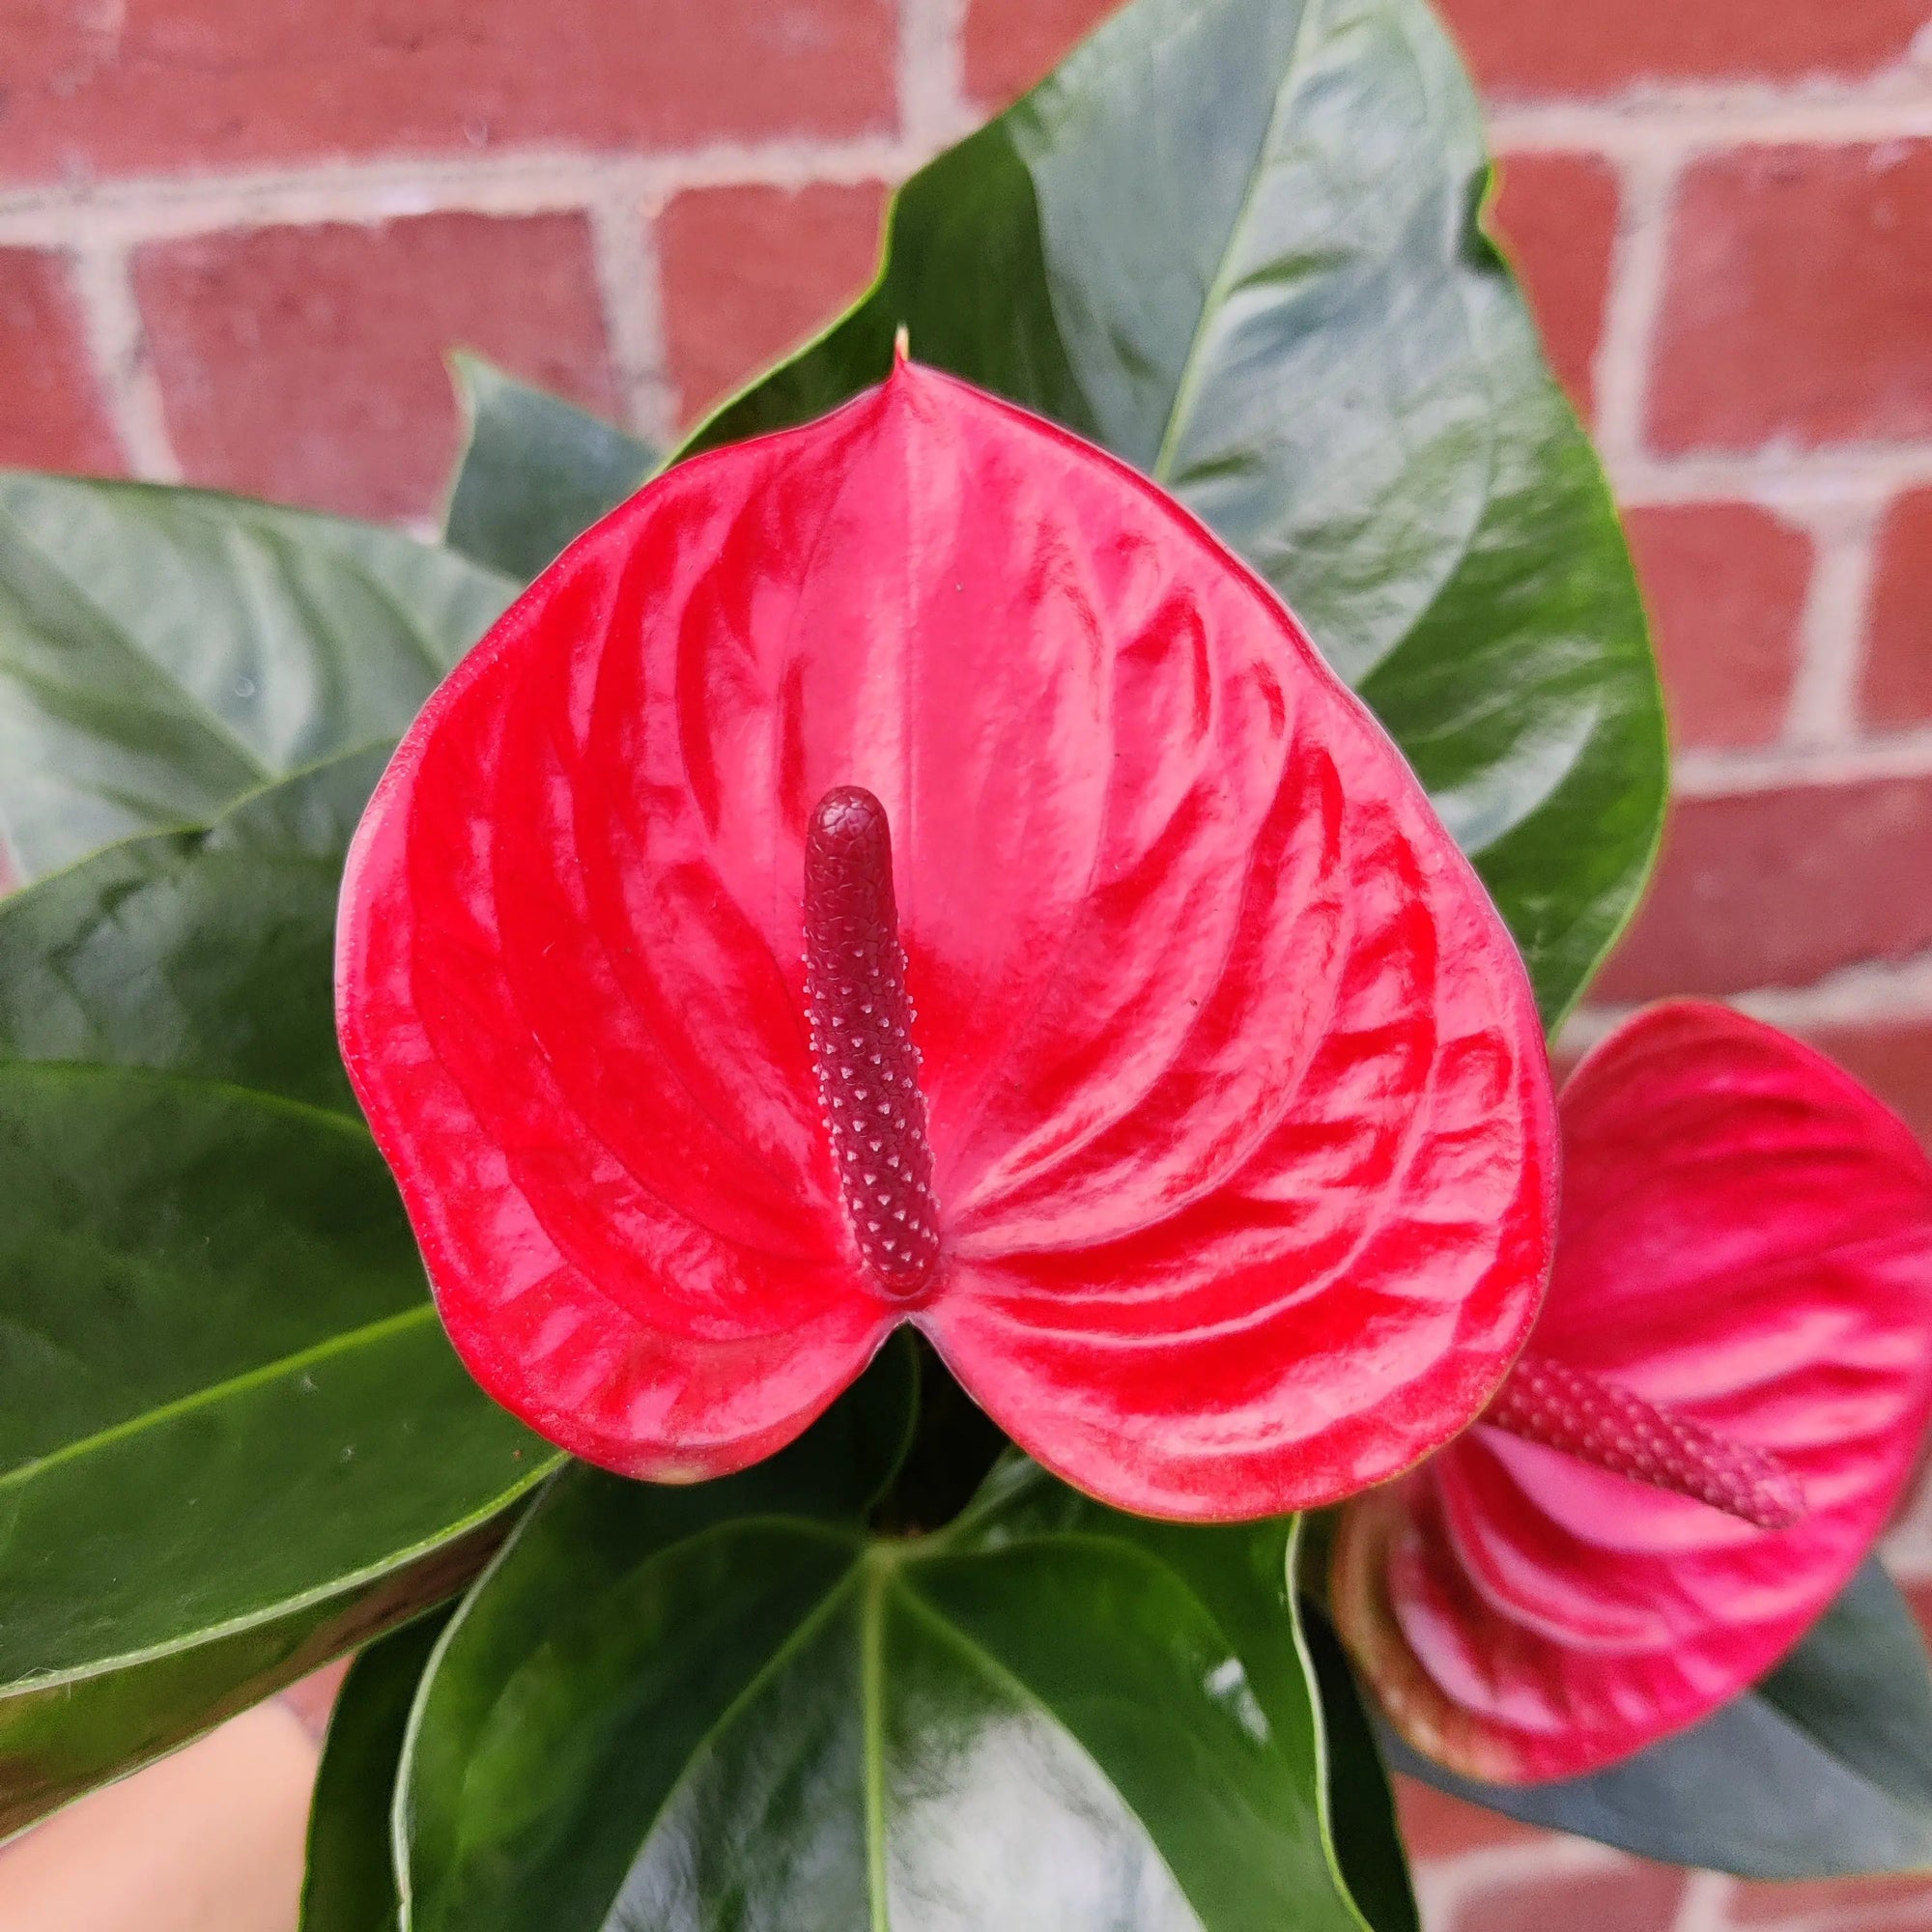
x,y
1893,1058
1919,1597
313,1697
306,365
1794,309
1852,1905
172,84
52,412
1545,47
1011,43
1629,1897
751,272
1725,584
1436,1825
1556,215
1777,888
1897,682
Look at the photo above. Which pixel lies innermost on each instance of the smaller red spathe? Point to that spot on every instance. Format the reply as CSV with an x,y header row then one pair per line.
x,y
1218,1106
1745,1244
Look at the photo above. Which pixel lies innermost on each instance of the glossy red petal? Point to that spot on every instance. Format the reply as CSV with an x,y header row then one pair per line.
x,y
1745,1240
1240,1129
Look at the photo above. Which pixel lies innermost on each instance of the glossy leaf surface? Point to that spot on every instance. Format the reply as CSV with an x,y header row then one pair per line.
x,y
350,1881
205,952
1239,1111
164,651
1236,243
1369,1851
535,472
1821,1771
662,1700
233,1439
1745,1243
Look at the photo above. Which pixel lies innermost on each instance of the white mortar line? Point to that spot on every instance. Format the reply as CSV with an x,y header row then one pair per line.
x,y
1832,636
1443,1886
933,109
1691,121
1906,1547
624,241
117,345
1705,1906
1802,761
1638,264
1778,475
1656,123
1658,126
1874,991
518,182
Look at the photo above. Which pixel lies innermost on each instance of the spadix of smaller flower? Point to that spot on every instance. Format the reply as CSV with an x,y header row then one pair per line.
x,y
1723,1398
906,870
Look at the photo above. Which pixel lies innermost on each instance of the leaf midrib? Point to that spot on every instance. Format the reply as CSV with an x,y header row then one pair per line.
x,y
131,1427
810,1620
1189,380
192,708
979,1658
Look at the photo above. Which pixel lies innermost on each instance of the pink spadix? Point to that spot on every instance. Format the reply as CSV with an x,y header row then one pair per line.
x,y
861,1021
1613,1429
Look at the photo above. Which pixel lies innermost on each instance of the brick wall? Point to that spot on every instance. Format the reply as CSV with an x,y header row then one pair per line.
x,y
234,240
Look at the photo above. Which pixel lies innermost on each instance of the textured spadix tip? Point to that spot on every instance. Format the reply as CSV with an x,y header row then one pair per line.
x,y
847,820
861,1020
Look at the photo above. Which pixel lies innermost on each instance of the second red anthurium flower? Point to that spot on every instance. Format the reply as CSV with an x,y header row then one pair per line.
x,y
1724,1397
905,870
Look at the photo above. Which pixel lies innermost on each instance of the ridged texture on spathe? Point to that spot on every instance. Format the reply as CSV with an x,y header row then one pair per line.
x,y
1745,1243
1241,1131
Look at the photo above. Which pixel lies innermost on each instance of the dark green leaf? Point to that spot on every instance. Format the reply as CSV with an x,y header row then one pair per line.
x,y
535,472
729,1706
233,1439
164,651
60,1738
1237,241
1362,1810
1823,1771
206,952
350,1882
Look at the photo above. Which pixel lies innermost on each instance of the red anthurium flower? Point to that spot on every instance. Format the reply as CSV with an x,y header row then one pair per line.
x,y
1719,1405
905,871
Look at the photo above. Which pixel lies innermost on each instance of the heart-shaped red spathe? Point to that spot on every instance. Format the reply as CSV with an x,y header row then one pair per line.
x,y
1745,1241
1241,1135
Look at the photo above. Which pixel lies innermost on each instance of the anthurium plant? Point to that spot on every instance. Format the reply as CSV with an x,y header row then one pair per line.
x,y
845,1139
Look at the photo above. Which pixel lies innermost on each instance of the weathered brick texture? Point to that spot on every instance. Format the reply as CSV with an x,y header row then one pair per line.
x,y
1800,283
749,271
236,239
1544,48
1625,1896
52,414
1779,888
1556,215
147,86
278,385
1897,688
1725,585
